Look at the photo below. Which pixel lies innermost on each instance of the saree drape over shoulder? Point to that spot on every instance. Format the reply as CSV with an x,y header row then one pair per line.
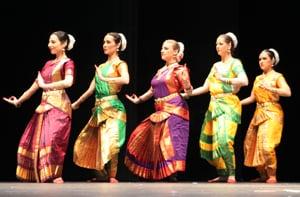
x,y
44,142
265,129
221,119
157,147
101,139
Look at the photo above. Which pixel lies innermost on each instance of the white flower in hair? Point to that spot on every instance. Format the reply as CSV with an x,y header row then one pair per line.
x,y
181,47
180,53
123,42
71,42
276,56
233,38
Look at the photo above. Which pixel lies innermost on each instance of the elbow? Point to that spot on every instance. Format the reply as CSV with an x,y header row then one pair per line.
x,y
288,94
68,84
245,83
126,82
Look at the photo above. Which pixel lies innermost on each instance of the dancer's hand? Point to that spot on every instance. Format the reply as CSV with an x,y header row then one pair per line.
x,y
133,98
98,71
41,81
12,100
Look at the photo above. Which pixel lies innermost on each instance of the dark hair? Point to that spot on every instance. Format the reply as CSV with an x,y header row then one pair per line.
x,y
273,54
62,37
228,40
118,40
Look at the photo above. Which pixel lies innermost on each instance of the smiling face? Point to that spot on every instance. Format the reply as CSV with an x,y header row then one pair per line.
x,y
55,45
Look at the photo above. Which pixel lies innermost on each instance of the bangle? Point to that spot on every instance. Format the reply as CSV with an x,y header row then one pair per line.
x,y
227,80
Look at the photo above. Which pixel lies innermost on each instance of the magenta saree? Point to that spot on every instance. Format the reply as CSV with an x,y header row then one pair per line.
x,y
43,145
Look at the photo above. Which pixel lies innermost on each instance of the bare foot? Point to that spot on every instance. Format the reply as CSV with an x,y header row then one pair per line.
x,y
231,179
113,180
58,180
271,179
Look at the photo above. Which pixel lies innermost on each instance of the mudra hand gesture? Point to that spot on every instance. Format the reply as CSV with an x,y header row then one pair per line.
x,y
41,81
12,100
133,98
218,72
99,74
267,86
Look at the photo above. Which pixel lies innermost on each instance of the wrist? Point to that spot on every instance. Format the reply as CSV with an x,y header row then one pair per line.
x,y
140,100
18,104
227,81
274,90
187,95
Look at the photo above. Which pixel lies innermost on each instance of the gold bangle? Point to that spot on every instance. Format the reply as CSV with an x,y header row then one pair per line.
x,y
228,81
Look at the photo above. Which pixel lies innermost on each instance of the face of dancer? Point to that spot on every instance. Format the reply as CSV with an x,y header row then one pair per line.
x,y
168,53
222,47
55,46
110,47
265,62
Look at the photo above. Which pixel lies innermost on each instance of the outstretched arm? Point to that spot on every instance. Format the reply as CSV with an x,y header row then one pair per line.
x,y
197,91
139,99
248,100
201,90
25,96
85,95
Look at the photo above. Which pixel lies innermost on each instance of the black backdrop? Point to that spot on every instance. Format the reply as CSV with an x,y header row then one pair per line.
x,y
25,28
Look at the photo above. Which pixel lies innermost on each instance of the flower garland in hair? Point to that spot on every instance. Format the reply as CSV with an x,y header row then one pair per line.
x,y
71,42
123,42
233,38
276,56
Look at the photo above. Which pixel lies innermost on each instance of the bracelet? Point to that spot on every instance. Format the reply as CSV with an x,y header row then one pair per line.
x,y
227,80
